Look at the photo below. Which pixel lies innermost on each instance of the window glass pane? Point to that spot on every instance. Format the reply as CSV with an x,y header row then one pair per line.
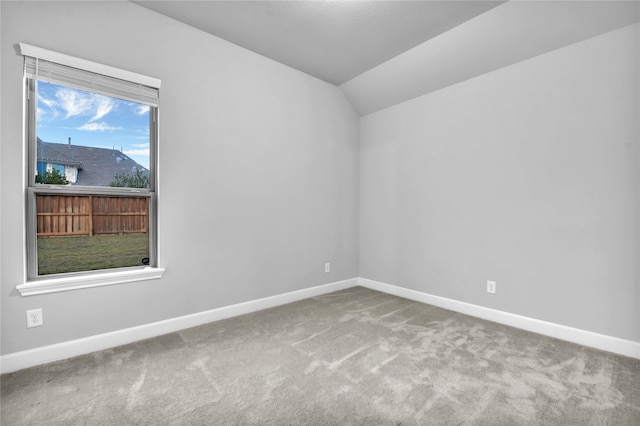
x,y
90,232
88,139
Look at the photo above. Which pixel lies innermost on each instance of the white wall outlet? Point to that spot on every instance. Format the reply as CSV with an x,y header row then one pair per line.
x,y
34,318
491,287
327,267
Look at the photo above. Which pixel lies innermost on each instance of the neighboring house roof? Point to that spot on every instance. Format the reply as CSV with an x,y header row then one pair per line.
x,y
96,166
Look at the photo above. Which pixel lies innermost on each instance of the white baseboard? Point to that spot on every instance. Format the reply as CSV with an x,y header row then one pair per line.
x,y
582,337
29,358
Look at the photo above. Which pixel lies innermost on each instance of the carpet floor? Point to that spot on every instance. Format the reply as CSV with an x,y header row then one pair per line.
x,y
353,357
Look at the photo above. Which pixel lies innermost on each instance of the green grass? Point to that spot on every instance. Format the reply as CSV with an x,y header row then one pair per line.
x,y
83,253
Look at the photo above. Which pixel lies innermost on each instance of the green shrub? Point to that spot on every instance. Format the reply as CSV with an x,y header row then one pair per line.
x,y
127,181
53,177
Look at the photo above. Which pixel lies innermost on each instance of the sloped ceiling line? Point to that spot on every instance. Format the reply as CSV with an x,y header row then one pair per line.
x,y
381,53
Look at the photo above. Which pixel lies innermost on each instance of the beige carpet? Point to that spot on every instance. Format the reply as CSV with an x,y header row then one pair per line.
x,y
354,357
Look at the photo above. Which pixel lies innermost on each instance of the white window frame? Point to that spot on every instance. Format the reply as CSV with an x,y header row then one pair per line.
x,y
34,284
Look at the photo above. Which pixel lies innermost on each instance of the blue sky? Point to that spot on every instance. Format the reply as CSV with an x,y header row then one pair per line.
x,y
94,120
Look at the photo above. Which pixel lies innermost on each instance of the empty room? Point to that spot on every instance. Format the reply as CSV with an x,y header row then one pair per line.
x,y
320,212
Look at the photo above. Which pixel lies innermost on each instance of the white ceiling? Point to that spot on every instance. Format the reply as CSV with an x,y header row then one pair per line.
x,y
381,53
332,40
510,33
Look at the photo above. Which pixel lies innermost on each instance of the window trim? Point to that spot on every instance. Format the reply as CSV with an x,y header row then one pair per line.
x,y
34,284
87,280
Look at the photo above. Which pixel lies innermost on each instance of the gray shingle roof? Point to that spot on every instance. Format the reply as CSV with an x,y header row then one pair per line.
x,y
96,166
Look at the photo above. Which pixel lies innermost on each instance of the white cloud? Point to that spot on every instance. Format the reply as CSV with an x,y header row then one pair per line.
x,y
104,107
142,109
131,152
78,103
49,109
140,145
73,102
143,132
97,127
47,102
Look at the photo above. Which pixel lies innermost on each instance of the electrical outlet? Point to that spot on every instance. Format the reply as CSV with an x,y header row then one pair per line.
x,y
34,318
491,287
327,267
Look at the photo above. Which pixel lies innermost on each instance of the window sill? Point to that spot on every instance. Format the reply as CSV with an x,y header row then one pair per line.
x,y
53,285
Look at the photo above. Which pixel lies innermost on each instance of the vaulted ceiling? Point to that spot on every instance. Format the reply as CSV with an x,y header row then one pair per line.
x,y
332,40
381,53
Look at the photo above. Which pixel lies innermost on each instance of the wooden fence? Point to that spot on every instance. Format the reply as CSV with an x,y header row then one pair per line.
x,y
63,215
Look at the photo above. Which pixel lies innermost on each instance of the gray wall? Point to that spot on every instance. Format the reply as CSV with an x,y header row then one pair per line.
x,y
259,172
528,176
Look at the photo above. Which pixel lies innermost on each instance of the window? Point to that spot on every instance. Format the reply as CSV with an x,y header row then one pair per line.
x,y
91,173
